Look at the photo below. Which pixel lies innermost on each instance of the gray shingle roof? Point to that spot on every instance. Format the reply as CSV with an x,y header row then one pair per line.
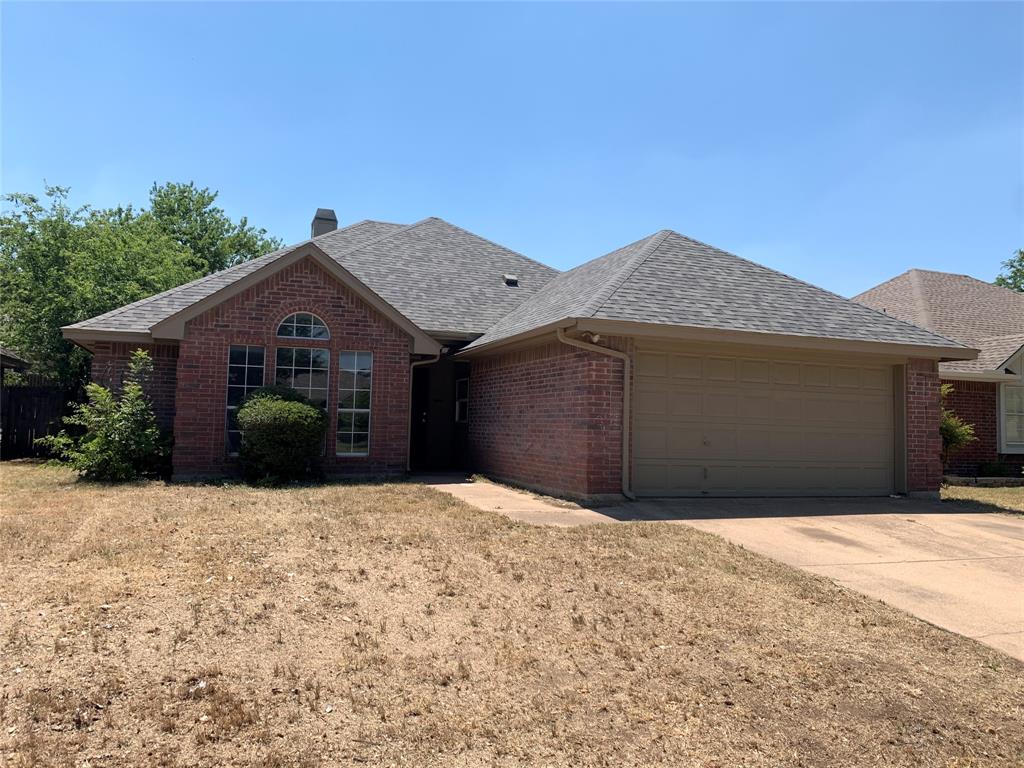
x,y
978,314
670,279
441,277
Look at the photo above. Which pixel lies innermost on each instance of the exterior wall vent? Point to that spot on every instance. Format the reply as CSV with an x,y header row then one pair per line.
x,y
511,280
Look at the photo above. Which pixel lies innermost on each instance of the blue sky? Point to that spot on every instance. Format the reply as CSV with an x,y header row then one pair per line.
x,y
840,143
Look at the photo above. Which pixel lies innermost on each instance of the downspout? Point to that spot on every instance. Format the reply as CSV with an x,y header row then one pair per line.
x,y
626,378
408,442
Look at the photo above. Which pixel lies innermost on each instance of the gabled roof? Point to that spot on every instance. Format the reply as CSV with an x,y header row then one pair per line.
x,y
442,278
987,317
672,280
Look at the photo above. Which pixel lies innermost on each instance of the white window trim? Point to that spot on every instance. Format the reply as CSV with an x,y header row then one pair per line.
x,y
368,411
1005,447
1014,364
227,393
307,392
318,322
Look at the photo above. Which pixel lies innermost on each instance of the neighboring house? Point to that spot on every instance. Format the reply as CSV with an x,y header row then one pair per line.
x,y
666,367
988,392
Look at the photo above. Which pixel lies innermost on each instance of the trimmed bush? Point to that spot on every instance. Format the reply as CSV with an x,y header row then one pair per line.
x,y
282,436
115,437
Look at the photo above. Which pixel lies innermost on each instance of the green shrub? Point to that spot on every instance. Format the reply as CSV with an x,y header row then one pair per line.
x,y
956,433
282,436
115,437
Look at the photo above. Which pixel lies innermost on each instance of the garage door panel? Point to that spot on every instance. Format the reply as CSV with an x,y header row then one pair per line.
x,y
713,424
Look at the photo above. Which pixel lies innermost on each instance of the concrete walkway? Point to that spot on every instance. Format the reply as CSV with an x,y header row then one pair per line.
x,y
963,571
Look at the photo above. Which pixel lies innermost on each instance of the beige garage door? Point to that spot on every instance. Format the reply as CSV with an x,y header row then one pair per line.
x,y
745,425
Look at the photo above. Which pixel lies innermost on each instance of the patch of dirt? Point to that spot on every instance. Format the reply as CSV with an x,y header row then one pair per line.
x,y
393,625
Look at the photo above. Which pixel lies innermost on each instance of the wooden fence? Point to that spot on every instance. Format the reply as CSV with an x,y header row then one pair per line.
x,y
28,412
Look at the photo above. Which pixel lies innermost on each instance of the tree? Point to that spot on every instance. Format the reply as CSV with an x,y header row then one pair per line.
x,y
60,265
1013,276
188,214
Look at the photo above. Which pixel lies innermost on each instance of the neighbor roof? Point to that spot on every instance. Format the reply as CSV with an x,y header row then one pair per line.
x,y
987,317
439,276
669,279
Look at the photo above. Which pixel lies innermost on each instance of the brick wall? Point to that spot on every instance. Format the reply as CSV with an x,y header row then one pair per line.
x,y
252,317
110,364
924,445
550,417
977,403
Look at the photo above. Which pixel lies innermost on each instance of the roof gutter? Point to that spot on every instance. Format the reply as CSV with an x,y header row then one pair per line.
x,y
993,376
627,376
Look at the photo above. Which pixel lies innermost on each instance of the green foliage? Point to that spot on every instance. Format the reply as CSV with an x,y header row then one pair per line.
x,y
60,265
1013,275
282,436
116,437
956,433
188,215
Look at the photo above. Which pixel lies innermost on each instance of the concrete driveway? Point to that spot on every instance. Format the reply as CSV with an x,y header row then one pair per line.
x,y
962,571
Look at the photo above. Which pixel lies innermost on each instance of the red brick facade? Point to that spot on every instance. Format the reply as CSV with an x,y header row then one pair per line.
x,y
252,317
924,444
549,417
110,364
977,403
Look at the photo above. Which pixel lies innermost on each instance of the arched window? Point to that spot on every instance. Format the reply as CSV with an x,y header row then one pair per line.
x,y
303,325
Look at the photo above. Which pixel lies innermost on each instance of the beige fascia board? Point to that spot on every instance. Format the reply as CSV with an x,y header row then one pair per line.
x,y
518,340
993,376
85,335
174,327
689,333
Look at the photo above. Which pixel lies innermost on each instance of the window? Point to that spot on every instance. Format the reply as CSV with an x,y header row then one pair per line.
x,y
306,371
1013,418
462,400
245,373
303,325
354,381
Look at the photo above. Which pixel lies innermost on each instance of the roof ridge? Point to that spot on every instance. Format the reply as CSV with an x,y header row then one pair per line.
x,y
626,271
919,298
822,290
396,233
893,279
496,245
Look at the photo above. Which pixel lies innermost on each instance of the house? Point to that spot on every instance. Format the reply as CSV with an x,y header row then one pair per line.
x,y
667,367
988,391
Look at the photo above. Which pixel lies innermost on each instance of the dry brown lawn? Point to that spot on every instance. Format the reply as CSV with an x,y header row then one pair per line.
x,y
391,625
1009,499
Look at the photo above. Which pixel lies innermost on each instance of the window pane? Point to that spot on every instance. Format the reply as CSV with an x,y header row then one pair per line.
x,y
234,442
301,380
236,356
318,379
348,361
236,375
318,358
256,356
344,422
361,400
364,361
254,377
303,331
346,400
363,380
1014,399
361,422
284,377
232,418
303,318
236,395
284,356
1015,429
320,332
301,358
318,397
461,388
286,329
360,443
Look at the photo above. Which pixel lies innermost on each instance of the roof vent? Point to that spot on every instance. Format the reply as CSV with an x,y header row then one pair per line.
x,y
325,221
511,280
